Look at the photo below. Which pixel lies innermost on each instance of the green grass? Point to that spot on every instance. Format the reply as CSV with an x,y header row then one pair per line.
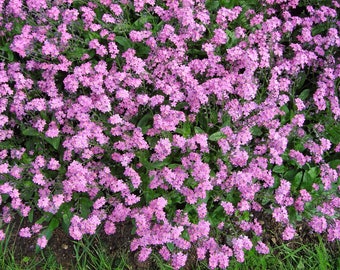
x,y
284,257
90,253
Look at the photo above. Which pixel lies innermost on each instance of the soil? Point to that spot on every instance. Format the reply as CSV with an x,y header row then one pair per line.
x,y
61,245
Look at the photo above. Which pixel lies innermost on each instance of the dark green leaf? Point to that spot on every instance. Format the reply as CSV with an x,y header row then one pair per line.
x,y
142,50
145,122
7,145
279,169
333,133
304,94
212,5
30,132
297,180
292,214
30,216
160,164
185,235
256,131
320,28
55,142
289,175
300,80
54,223
85,206
202,121
334,163
124,42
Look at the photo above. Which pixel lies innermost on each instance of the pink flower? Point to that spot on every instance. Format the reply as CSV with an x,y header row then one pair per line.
x,y
319,224
42,241
144,254
178,260
262,248
228,207
239,158
162,150
288,233
25,232
2,235
109,228
52,130
165,253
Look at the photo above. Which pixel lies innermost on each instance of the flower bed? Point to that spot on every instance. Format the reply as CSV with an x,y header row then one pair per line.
x,y
189,118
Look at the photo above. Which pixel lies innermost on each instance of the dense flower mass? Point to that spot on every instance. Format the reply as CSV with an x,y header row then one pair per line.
x,y
181,116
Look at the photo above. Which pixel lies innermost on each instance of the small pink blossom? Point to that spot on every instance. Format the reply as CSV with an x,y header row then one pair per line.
x,y
42,242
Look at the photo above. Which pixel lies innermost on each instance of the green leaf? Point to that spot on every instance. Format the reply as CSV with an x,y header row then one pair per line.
x,y
48,232
319,28
139,24
216,136
54,223
245,216
186,129
171,246
30,216
142,50
55,142
232,40
297,180
228,3
145,122
66,215
7,145
150,194
256,131
279,169
122,28
314,172
304,94
26,159
217,216
160,164
213,116
212,5
198,130
202,121
292,214
334,163
333,133
76,53
124,42
300,80
307,181
289,175
93,35
185,235
30,132
85,206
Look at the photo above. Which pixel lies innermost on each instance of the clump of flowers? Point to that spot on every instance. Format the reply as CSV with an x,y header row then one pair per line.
x,y
188,116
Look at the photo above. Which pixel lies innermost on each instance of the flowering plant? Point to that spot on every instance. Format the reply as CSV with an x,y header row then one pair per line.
x,y
193,119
